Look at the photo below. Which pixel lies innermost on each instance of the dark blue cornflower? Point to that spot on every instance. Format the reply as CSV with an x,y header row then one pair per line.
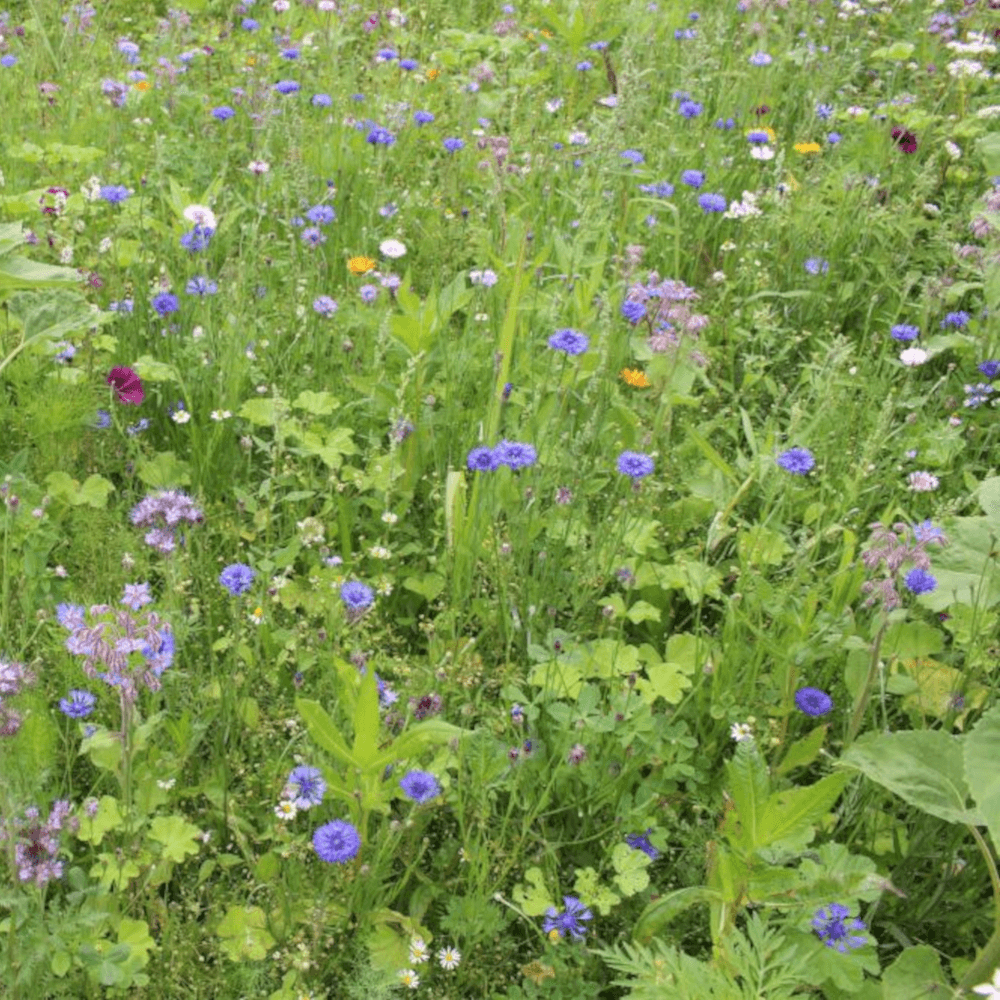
x,y
321,214
797,461
633,156
633,311
685,34
337,842
201,286
919,581
356,595
635,464
453,145
760,59
515,454
421,786
823,111
571,341
597,46
481,459
712,203
569,921
249,24
379,136
423,117
955,319
693,178
8,61
904,331
584,65
690,109
829,925
165,303
386,55
290,53
114,194
833,138
195,240
305,787
78,705
813,702
758,136
237,578
408,64
991,369
287,87
223,113
640,842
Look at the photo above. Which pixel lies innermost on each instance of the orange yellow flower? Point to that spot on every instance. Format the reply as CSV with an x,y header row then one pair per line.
x,y
806,147
432,74
142,85
635,377
361,265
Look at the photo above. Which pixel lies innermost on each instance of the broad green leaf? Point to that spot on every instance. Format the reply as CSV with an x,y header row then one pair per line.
x,y
665,680
151,370
916,973
658,914
532,896
643,611
982,755
164,471
791,814
244,934
909,640
108,817
803,751
427,585
366,722
93,493
924,768
317,403
430,732
323,731
588,886
177,835
630,869
749,785
263,412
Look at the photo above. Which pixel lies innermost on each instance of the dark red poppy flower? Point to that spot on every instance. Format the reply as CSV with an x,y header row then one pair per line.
x,y
906,141
126,383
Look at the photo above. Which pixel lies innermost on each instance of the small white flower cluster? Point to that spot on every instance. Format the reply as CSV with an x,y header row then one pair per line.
x,y
977,44
448,958
968,68
744,209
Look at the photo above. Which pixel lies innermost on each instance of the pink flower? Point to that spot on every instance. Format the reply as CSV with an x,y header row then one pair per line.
x,y
126,383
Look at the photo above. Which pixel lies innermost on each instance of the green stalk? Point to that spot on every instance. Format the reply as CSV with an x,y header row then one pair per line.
x,y
983,967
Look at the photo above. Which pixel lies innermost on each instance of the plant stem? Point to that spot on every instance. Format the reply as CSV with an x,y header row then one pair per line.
x,y
861,705
988,960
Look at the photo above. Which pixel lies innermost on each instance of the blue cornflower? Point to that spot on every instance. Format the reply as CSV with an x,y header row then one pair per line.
x,y
813,702
978,394
991,369
758,136
386,55
571,341
690,109
408,64
324,305
125,306
584,65
633,156
904,331
337,842
760,59
919,581
833,932
137,596
305,787
421,786
955,319
287,87
290,53
78,705
797,461
313,235
321,214
223,113
635,464
8,61
379,136
321,100
597,46
453,145
201,286
237,578
356,595
165,303
138,427
712,203
640,842
833,138
823,111
685,34
725,123
633,311
114,194
103,421
816,265
249,24
662,189
515,454
481,459
423,117
197,239
693,178
569,921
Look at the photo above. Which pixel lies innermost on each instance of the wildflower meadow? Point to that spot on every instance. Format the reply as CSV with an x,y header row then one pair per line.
x,y
499,500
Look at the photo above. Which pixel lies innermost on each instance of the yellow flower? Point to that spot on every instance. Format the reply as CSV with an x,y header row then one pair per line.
x,y
361,265
432,74
142,85
806,147
546,33
635,377
251,60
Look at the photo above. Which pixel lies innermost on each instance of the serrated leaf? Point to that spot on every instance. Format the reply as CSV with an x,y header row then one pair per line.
x,y
630,869
177,836
665,680
789,815
317,403
588,886
244,935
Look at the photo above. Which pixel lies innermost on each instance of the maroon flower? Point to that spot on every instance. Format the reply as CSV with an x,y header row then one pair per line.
x,y
906,141
126,383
